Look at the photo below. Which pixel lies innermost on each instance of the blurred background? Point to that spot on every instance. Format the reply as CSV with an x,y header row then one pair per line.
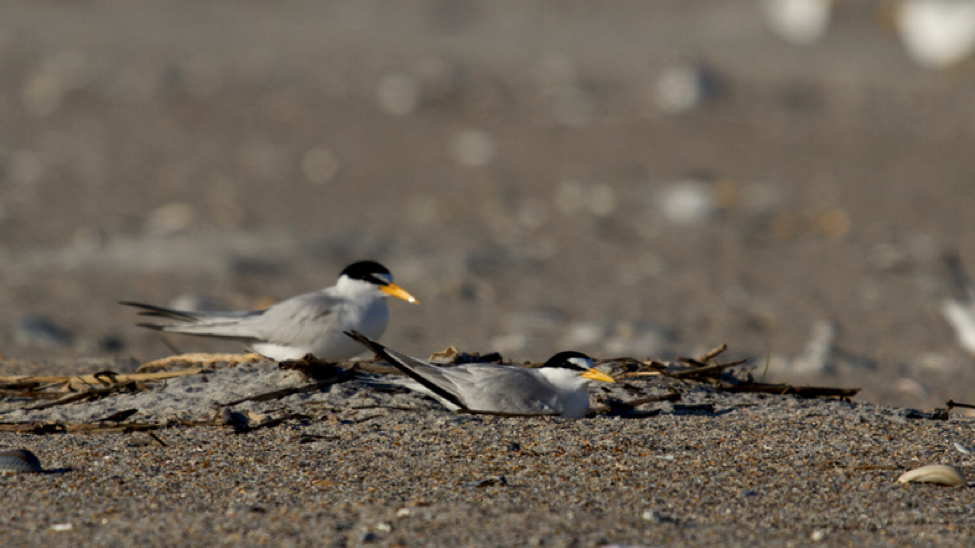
x,y
622,178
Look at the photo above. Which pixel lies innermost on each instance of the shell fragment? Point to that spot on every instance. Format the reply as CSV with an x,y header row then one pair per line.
x,y
935,473
17,461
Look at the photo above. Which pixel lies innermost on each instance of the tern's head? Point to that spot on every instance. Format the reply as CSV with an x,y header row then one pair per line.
x,y
371,275
575,364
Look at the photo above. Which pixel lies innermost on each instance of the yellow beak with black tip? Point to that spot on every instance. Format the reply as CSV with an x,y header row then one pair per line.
x,y
398,292
596,375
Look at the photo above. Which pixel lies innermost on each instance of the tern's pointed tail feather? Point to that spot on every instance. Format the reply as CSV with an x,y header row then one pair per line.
x,y
409,366
368,343
162,312
221,325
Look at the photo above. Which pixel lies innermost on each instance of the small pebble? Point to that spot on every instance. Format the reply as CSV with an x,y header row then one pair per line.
x,y
574,106
473,148
202,76
656,517
398,94
801,22
584,333
683,88
44,91
40,332
26,167
320,165
171,218
263,160
685,202
910,387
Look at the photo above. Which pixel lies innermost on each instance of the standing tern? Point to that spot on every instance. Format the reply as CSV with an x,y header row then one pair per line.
x,y
312,323
557,388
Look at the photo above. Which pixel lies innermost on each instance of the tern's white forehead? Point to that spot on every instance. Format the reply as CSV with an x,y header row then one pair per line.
x,y
585,363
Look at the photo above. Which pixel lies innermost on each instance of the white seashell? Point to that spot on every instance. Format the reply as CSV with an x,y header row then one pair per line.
x,y
935,473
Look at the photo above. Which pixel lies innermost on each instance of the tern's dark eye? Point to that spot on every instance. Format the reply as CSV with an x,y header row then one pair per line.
x,y
570,360
379,279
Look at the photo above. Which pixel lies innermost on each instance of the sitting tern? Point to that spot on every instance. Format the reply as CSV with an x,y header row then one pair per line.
x,y
312,323
557,388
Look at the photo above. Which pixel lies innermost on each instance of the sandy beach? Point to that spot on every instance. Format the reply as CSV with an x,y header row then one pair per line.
x,y
356,466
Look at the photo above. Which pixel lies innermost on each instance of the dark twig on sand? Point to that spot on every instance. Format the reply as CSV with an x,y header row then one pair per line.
x,y
702,369
377,368
627,409
243,428
625,360
694,407
862,466
713,353
78,396
57,427
118,416
313,387
158,439
673,395
785,389
311,367
30,394
706,357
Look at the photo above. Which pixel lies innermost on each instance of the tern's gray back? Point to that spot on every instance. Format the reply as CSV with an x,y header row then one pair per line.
x,y
508,389
297,321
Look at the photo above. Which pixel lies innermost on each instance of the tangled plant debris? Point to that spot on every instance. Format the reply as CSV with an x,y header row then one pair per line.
x,y
318,375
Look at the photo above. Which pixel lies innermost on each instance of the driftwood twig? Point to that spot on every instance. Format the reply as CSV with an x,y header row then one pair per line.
x,y
784,389
313,387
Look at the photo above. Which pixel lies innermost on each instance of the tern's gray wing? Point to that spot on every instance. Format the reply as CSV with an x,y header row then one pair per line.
x,y
292,322
426,374
297,321
476,387
504,389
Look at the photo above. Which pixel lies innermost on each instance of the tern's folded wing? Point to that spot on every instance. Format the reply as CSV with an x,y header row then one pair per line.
x,y
504,389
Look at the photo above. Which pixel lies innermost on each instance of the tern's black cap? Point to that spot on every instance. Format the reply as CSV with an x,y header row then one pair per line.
x,y
368,271
563,359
